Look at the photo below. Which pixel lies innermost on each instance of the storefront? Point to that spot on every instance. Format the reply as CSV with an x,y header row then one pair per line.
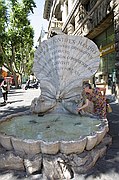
x,y
106,45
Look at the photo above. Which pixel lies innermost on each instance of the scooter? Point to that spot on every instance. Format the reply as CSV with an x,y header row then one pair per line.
x,y
31,85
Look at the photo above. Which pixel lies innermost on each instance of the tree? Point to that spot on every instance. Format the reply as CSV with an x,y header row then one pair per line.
x,y
3,22
17,37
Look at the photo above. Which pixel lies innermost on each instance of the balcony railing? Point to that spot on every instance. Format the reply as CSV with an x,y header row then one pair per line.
x,y
56,24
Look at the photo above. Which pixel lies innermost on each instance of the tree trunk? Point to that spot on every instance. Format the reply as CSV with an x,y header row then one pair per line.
x,y
15,80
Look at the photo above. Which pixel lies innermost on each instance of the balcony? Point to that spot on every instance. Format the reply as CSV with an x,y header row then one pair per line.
x,y
56,25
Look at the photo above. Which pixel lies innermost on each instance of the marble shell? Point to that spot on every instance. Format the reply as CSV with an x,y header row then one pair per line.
x,y
61,64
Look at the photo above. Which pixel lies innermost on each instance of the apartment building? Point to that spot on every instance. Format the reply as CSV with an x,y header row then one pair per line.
x,y
99,21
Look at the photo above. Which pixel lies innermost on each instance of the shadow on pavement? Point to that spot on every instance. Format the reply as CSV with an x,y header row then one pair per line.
x,y
109,162
10,102
16,92
13,110
2,104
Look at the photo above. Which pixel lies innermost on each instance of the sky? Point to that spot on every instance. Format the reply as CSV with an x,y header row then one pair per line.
x,y
37,20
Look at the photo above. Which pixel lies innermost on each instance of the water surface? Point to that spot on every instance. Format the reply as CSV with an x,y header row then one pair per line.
x,y
50,127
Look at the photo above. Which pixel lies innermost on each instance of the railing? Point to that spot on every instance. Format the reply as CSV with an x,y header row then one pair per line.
x,y
56,24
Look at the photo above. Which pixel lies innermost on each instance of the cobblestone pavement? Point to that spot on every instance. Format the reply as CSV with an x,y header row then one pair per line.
x,y
106,168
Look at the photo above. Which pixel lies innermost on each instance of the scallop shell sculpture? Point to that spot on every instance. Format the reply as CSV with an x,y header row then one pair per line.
x,y
61,64
58,150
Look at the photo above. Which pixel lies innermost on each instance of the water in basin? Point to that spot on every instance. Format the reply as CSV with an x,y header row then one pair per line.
x,y
50,127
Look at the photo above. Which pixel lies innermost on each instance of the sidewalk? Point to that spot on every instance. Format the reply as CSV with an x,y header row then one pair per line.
x,y
19,100
106,168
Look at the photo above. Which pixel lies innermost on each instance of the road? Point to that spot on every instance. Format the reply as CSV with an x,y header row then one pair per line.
x,y
19,100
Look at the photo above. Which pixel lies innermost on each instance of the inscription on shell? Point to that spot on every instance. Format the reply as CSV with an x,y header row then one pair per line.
x,y
62,63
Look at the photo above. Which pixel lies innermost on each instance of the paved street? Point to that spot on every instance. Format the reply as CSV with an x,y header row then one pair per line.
x,y
18,100
107,168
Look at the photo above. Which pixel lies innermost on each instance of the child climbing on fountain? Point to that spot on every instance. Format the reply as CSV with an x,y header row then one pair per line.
x,y
97,97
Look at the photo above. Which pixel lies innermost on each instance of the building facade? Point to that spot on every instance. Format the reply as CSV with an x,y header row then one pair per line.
x,y
99,21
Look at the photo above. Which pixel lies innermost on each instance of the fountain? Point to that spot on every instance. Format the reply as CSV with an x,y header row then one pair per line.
x,y
53,138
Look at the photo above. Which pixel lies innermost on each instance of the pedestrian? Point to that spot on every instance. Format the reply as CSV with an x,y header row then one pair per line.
x,y
4,88
98,98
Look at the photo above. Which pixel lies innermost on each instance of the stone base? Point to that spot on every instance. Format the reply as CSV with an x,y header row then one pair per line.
x,y
58,166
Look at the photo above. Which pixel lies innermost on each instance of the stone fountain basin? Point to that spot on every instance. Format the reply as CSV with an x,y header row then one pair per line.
x,y
51,134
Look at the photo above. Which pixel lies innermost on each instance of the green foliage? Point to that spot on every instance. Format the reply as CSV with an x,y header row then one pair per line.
x,y
16,35
29,5
3,17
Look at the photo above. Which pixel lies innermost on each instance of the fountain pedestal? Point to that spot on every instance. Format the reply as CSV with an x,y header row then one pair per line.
x,y
61,153
53,139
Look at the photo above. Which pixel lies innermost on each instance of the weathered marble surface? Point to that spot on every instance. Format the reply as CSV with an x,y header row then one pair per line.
x,y
59,166
61,64
34,147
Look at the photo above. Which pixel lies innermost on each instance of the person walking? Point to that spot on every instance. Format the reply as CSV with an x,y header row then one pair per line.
x,y
4,88
97,97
